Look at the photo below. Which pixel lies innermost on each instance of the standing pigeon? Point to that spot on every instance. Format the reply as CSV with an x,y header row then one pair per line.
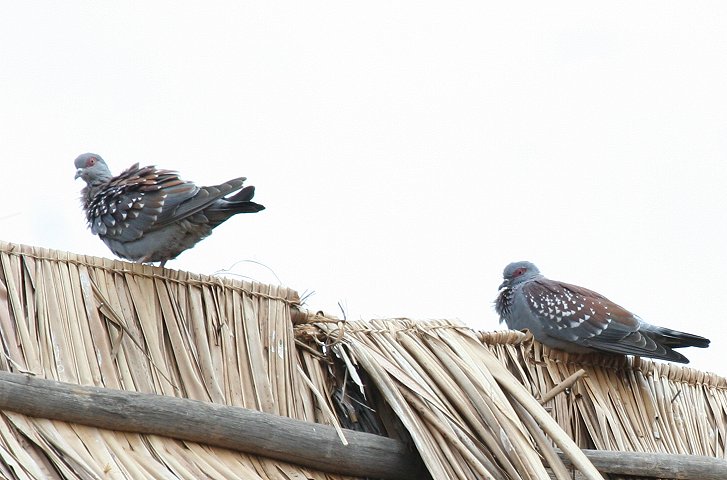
x,y
576,319
151,215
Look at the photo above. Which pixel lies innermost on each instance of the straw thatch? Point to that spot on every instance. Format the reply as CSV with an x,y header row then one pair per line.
x,y
623,403
441,380
126,326
467,402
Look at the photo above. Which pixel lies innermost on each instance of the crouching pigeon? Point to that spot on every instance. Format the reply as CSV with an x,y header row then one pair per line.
x,y
576,319
147,214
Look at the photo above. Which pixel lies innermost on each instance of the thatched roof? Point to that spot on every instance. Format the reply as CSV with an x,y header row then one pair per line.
x,y
445,383
456,395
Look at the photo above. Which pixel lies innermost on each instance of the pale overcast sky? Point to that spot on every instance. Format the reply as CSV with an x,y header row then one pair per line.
x,y
405,151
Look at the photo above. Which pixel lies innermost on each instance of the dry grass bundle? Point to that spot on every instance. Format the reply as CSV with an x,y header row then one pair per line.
x,y
114,324
454,391
455,399
622,403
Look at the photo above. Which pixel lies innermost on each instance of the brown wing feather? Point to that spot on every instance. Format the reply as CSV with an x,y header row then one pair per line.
x,y
575,313
141,200
587,318
135,201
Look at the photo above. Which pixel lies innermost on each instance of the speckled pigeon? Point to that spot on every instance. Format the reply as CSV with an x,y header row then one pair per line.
x,y
151,215
576,319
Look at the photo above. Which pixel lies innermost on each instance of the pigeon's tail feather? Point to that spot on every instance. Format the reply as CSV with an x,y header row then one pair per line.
x,y
677,339
244,207
640,343
244,195
226,207
240,202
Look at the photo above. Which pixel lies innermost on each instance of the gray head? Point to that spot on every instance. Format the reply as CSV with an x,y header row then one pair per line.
x,y
518,272
92,169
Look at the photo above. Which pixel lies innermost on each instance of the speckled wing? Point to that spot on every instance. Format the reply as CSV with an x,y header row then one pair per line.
x,y
132,203
584,317
140,200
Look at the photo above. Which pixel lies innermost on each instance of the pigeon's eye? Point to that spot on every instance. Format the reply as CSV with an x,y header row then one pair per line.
x,y
518,272
91,162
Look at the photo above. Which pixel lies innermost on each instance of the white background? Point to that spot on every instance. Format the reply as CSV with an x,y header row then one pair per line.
x,y
405,151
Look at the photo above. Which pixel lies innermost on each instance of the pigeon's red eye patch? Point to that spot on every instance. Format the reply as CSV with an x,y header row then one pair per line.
x,y
91,162
518,272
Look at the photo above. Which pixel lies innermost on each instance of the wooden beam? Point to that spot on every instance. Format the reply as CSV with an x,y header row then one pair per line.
x,y
309,444
656,465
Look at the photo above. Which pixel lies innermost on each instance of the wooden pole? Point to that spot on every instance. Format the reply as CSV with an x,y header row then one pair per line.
x,y
656,465
294,441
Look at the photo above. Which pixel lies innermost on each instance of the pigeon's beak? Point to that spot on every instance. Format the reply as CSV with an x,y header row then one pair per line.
x,y
78,174
504,284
